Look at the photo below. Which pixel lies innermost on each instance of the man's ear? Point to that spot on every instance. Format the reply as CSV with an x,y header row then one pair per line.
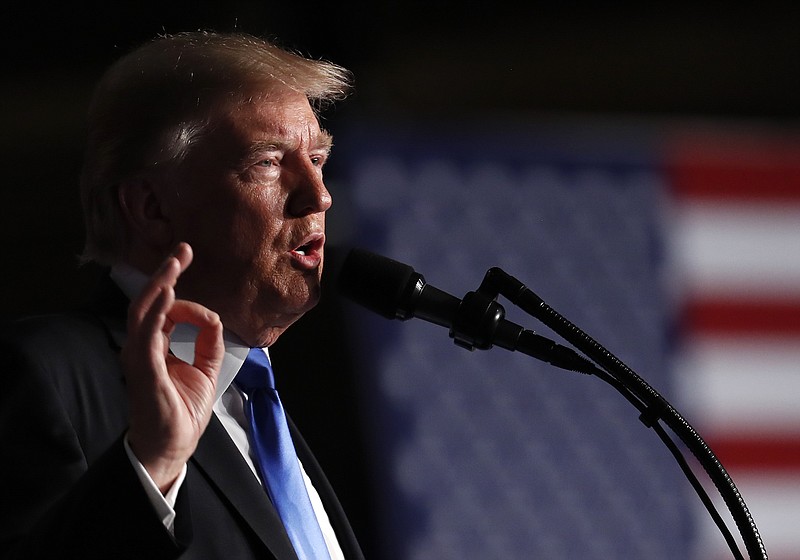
x,y
143,210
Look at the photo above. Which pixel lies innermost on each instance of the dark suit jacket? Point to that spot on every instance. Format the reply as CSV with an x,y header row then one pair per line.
x,y
69,489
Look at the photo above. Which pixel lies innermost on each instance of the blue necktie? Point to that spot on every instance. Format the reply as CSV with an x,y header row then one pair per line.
x,y
276,457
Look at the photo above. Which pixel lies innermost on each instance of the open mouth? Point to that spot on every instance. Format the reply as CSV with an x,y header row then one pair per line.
x,y
311,246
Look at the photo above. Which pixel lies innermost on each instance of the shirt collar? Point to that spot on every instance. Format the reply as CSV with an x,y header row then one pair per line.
x,y
131,281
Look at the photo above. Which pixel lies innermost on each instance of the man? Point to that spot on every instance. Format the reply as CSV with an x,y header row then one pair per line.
x,y
125,436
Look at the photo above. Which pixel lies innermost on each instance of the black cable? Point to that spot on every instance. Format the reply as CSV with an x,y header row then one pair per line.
x,y
699,489
676,453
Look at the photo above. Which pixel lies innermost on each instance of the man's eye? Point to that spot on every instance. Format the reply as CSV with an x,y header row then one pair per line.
x,y
266,163
318,161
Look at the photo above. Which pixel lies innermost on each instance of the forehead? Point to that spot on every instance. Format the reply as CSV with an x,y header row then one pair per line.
x,y
282,117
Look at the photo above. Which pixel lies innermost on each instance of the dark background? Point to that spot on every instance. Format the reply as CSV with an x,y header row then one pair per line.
x,y
412,61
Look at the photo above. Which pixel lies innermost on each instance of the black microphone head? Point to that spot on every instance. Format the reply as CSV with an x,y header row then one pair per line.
x,y
379,283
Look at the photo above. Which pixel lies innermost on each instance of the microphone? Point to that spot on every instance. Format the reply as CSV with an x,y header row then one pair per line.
x,y
396,291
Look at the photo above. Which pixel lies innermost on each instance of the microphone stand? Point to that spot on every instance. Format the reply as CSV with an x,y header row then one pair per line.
x,y
475,326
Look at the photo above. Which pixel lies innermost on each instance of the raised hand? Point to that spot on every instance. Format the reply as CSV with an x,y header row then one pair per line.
x,y
170,400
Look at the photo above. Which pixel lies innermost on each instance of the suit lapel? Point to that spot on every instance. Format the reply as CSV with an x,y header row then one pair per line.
x,y
333,508
218,460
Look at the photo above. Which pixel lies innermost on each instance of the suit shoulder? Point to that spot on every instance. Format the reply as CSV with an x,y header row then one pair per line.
x,y
64,350
69,364
66,331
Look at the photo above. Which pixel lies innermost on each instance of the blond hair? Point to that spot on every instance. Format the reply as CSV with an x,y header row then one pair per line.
x,y
154,103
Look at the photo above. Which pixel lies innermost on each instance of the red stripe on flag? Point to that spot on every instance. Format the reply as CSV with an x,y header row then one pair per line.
x,y
707,165
742,317
770,452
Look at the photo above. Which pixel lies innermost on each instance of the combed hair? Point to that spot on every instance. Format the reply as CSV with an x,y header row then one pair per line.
x,y
154,103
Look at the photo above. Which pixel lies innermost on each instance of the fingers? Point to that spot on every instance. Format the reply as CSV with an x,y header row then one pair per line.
x,y
154,314
158,294
183,254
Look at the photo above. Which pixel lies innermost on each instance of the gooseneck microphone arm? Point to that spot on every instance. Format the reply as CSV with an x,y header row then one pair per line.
x,y
396,291
497,282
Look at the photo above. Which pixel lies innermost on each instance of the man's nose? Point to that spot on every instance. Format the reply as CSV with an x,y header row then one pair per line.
x,y
308,194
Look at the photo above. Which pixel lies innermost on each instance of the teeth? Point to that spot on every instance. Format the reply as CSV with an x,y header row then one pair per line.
x,y
301,252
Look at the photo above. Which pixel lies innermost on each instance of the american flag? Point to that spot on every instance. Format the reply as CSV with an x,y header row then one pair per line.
x,y
735,246
628,229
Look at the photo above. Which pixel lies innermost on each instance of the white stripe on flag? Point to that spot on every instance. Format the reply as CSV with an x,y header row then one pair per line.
x,y
729,249
745,385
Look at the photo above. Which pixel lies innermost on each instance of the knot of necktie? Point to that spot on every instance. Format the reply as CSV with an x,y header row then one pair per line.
x,y
256,372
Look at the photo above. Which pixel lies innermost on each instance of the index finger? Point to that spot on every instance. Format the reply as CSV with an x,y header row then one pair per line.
x,y
149,308
166,276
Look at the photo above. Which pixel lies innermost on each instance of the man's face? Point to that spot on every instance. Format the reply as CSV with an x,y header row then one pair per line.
x,y
251,202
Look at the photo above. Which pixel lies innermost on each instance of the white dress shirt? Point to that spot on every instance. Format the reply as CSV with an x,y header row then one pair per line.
x,y
229,408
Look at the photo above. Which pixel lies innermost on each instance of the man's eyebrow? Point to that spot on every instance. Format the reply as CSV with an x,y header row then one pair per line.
x,y
323,141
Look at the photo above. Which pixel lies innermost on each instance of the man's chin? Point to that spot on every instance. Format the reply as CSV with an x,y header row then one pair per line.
x,y
298,304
